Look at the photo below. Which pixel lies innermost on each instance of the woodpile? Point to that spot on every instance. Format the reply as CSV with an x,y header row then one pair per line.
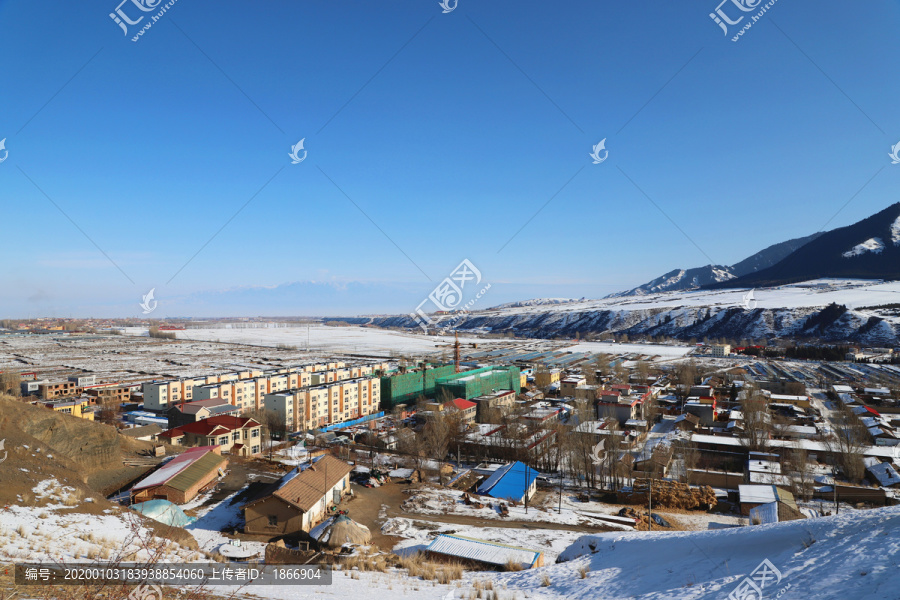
x,y
669,494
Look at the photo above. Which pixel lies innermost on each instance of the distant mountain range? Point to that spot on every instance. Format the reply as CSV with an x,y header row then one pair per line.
x,y
699,277
868,249
816,287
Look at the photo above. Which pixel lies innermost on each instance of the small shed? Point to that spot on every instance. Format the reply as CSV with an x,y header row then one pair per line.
x,y
484,553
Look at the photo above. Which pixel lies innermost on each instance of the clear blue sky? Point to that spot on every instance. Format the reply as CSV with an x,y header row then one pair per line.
x,y
450,131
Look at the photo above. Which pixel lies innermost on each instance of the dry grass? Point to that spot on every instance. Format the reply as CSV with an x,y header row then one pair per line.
x,y
417,566
545,580
583,571
512,565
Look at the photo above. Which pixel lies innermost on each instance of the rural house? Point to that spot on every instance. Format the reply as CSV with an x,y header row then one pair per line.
x,y
235,435
299,500
184,477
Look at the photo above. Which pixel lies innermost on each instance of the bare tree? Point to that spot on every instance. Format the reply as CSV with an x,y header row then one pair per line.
x,y
757,421
686,375
10,383
847,442
802,476
690,457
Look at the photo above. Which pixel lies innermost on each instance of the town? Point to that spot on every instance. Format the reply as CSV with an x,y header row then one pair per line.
x,y
453,461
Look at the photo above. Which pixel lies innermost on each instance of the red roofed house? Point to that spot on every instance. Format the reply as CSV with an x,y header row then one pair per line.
x,y
467,408
235,435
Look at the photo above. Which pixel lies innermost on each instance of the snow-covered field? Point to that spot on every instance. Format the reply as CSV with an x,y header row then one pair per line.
x,y
332,339
663,351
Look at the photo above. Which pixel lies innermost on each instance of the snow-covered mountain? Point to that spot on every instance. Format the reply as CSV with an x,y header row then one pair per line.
x,y
867,249
863,311
536,302
692,279
681,279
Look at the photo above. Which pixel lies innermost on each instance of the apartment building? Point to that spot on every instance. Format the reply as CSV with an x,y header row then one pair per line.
x,y
326,404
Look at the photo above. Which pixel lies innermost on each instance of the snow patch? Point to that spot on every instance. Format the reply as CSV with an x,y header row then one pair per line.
x,y
895,232
870,245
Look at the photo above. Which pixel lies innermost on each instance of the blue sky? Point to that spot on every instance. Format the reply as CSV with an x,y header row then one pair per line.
x,y
431,138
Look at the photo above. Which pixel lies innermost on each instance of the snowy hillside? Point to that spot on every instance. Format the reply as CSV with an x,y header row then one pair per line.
x,y
681,279
797,310
536,302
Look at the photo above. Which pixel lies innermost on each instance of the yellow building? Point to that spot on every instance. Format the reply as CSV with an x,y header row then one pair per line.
x,y
76,408
546,378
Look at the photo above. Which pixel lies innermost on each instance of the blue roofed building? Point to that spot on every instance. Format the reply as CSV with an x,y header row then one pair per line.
x,y
511,482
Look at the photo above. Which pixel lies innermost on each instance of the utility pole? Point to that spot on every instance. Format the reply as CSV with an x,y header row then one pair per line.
x,y
526,489
560,494
650,507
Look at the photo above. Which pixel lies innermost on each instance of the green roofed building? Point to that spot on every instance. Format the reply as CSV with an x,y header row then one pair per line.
x,y
405,388
478,382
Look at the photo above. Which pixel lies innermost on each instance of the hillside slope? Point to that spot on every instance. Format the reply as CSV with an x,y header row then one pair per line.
x,y
852,555
868,249
835,310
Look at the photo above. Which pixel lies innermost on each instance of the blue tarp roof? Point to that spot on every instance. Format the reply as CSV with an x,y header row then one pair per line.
x,y
165,512
509,482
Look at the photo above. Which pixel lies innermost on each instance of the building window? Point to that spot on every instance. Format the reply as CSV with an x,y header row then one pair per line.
x,y
273,521
255,433
235,436
254,450
223,440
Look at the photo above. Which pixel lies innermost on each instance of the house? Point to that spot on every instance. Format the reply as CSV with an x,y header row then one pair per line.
x,y
515,481
491,407
191,412
483,553
466,408
235,435
569,384
751,496
545,378
704,411
613,404
144,433
76,408
882,473
299,500
182,478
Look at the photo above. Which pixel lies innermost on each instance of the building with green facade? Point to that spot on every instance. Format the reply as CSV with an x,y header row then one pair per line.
x,y
478,382
405,388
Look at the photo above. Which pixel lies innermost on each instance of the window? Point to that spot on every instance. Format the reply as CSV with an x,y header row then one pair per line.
x,y
273,521
255,433
223,440
235,436
254,450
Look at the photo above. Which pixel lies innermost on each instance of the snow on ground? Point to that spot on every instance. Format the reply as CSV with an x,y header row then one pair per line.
x,y
419,534
444,502
49,534
613,348
853,555
874,245
325,338
212,519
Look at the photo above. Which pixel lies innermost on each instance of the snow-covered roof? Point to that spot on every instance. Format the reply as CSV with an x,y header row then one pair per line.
x,y
482,551
757,494
884,473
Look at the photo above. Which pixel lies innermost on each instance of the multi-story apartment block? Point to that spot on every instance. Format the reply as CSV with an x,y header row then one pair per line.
x,y
320,405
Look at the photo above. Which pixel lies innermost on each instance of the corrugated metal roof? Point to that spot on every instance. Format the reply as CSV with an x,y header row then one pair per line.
x,y
199,469
509,482
482,551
